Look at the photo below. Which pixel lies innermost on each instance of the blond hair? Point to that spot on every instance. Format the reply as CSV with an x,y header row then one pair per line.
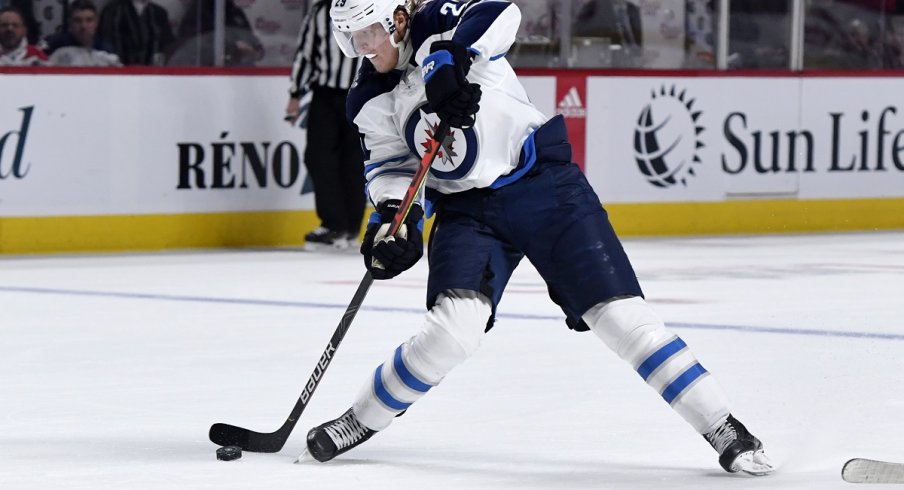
x,y
413,5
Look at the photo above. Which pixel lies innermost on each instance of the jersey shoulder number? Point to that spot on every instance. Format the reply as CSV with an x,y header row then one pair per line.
x,y
453,8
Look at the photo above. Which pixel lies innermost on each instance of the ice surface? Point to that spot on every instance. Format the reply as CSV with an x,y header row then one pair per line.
x,y
113,367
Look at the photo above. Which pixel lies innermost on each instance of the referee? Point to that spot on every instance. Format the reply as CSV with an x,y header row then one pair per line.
x,y
333,151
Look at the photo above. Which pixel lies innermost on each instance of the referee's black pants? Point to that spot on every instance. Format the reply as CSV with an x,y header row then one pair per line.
x,y
333,158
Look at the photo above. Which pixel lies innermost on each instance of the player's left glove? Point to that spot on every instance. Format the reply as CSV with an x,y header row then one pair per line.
x,y
450,95
386,257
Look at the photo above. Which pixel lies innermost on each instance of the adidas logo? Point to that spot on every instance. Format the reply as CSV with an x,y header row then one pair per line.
x,y
571,105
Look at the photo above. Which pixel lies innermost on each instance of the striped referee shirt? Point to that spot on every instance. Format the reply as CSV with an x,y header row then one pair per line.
x,y
318,60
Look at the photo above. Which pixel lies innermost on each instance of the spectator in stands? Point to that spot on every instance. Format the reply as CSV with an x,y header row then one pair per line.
x,y
758,34
196,44
537,39
861,46
538,20
14,46
78,45
700,34
871,35
617,20
27,11
138,31
851,34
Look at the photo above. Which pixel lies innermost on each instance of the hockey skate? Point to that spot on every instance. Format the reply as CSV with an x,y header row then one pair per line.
x,y
323,239
326,441
738,449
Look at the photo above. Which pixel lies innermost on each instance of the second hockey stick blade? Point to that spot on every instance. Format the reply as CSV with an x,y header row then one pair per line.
x,y
861,470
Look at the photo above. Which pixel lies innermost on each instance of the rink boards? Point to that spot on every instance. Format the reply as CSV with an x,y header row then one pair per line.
x,y
130,162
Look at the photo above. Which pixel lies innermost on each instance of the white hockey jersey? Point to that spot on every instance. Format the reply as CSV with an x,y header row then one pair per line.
x,y
396,123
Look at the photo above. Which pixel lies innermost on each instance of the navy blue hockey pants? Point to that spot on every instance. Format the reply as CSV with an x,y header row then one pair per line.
x,y
550,215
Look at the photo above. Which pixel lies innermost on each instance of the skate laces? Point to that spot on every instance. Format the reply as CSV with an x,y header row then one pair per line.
x,y
722,437
346,430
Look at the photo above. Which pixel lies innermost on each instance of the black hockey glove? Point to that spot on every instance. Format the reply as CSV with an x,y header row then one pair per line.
x,y
450,95
386,257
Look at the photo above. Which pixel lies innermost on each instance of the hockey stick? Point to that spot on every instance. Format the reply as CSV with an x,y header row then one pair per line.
x,y
271,442
860,470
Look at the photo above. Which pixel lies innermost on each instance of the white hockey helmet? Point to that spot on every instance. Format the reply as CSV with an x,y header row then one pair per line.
x,y
359,26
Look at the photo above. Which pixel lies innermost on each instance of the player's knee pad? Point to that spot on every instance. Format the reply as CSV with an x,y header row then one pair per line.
x,y
636,333
628,326
452,333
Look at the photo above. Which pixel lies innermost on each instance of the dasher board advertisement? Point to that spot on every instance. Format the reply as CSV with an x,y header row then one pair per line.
x,y
715,139
109,145
157,144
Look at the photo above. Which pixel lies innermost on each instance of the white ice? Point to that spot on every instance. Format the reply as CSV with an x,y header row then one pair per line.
x,y
112,369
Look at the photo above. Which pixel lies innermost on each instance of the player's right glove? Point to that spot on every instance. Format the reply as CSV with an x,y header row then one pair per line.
x,y
386,257
450,95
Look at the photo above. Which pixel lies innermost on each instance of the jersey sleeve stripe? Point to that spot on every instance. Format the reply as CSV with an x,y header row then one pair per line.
x,y
375,165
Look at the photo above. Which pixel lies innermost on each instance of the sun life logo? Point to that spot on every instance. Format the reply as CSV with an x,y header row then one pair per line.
x,y
667,138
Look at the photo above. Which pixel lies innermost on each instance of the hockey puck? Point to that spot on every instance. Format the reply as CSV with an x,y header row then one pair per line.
x,y
229,453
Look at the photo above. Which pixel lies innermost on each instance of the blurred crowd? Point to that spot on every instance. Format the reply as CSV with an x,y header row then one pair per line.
x,y
131,32
854,34
684,34
671,34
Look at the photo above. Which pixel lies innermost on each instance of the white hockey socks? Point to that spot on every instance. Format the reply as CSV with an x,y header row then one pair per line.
x,y
633,331
451,334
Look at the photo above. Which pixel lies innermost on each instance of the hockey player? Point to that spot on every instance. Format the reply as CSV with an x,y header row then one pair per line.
x,y
503,189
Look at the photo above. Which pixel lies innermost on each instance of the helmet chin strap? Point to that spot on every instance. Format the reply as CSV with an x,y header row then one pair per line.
x,y
404,47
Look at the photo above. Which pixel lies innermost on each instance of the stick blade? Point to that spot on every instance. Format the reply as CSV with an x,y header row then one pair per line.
x,y
248,440
861,470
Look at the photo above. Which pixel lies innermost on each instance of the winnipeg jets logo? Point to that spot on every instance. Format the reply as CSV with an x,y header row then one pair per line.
x,y
447,151
459,148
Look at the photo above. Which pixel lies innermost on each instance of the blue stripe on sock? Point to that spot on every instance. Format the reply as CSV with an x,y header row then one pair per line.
x,y
383,393
682,382
657,358
405,375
